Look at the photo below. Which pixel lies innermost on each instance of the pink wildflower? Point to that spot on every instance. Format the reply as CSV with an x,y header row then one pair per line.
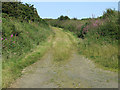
x,y
13,41
94,24
96,21
12,35
1,38
5,39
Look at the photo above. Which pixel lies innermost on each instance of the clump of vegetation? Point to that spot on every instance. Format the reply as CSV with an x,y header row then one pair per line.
x,y
108,24
63,18
22,12
22,37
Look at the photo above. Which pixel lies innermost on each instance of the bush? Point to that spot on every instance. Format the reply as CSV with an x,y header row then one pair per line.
x,y
108,13
20,11
109,29
74,18
63,18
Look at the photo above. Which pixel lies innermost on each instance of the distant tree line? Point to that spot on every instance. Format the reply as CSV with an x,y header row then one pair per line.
x,y
107,25
63,18
66,18
20,11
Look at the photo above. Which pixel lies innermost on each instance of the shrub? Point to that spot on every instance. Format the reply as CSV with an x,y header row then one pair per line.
x,y
20,11
108,12
74,18
63,18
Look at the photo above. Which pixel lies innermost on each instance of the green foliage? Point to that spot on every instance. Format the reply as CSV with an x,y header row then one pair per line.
x,y
19,39
104,55
64,18
106,27
86,19
22,32
108,12
20,11
83,31
12,68
74,18
24,37
109,29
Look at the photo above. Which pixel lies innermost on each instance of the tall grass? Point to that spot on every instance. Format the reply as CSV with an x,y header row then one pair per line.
x,y
18,40
104,55
22,37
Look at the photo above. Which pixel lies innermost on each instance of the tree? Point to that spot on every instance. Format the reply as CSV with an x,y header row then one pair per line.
x,y
74,18
64,18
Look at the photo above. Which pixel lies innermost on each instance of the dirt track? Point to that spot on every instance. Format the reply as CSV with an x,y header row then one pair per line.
x,y
76,72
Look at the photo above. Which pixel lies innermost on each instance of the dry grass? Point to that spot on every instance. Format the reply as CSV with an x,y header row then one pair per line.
x,y
104,55
62,45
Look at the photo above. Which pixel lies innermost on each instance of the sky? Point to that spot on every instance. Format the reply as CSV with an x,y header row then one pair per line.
x,y
72,9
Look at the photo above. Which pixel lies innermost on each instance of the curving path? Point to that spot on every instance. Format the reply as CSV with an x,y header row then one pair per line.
x,y
76,72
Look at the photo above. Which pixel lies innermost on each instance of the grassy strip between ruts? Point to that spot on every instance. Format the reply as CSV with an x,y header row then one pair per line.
x,y
62,46
12,69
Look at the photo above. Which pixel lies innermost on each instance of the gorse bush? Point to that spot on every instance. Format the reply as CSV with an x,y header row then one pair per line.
x,y
20,11
109,29
109,12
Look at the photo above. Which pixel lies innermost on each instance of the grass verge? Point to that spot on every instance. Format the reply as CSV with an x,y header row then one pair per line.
x,y
105,56
12,69
19,43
